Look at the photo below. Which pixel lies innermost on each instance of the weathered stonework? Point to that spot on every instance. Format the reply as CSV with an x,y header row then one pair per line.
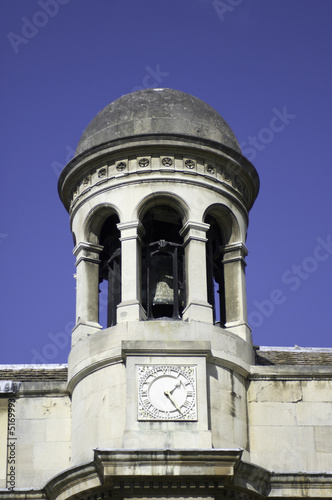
x,y
132,166
169,399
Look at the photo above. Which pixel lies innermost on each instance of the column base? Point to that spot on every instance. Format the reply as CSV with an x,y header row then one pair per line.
x,y
84,329
130,311
242,330
198,311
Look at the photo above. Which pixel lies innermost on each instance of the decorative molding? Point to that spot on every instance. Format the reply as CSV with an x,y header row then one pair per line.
x,y
133,229
87,251
140,164
88,247
297,485
166,473
227,164
9,387
210,169
227,175
144,162
102,172
191,164
194,231
121,166
290,372
236,247
167,161
166,348
23,494
86,181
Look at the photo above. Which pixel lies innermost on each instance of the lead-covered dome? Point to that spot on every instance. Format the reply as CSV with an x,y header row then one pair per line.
x,y
157,111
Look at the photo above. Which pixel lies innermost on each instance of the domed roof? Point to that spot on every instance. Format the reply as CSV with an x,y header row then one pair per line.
x,y
157,111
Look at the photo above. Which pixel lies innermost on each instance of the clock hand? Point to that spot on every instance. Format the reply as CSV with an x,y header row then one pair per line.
x,y
176,385
168,394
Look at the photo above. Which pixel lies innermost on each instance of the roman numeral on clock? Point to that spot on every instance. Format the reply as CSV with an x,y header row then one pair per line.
x,y
155,412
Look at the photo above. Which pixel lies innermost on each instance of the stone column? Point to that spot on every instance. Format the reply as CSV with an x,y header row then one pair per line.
x,y
197,306
235,290
87,289
130,308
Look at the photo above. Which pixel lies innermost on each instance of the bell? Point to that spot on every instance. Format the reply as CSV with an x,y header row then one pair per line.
x,y
164,293
162,288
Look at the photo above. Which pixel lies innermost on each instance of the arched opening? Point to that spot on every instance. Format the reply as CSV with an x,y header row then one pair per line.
x,y
109,271
215,271
163,264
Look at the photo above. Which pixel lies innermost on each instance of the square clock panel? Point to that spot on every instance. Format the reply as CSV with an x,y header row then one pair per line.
x,y
167,392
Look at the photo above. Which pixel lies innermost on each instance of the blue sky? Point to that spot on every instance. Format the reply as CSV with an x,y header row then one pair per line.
x,y
265,66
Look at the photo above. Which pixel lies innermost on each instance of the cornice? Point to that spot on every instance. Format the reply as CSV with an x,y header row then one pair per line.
x,y
301,484
91,170
190,472
290,372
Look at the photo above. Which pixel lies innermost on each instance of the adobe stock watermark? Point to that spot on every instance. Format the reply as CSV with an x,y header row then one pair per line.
x,y
223,7
292,278
153,78
265,136
58,342
58,166
61,340
3,236
30,27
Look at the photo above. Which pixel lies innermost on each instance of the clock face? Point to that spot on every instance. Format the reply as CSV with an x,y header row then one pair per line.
x,y
167,392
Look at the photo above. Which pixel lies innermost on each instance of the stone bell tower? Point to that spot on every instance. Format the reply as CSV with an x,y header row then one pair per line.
x,y
158,195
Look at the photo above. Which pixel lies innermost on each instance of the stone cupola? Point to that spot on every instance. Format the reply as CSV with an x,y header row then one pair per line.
x,y
158,195
158,185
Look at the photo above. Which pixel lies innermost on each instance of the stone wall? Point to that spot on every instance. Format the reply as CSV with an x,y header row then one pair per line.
x,y
35,426
276,416
290,418
43,431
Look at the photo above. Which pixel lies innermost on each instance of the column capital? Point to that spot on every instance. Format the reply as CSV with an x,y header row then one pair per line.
x,y
234,252
88,247
131,230
87,252
193,230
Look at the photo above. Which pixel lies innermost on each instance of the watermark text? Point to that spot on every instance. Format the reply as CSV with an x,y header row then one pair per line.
x,y
265,136
292,278
31,27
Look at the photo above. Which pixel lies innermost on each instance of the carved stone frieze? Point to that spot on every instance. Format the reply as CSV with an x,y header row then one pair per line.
x,y
121,166
167,161
210,168
144,162
190,164
86,181
140,163
102,172
227,175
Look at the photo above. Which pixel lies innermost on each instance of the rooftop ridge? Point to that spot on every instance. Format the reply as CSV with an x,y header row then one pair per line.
x,y
34,366
293,349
